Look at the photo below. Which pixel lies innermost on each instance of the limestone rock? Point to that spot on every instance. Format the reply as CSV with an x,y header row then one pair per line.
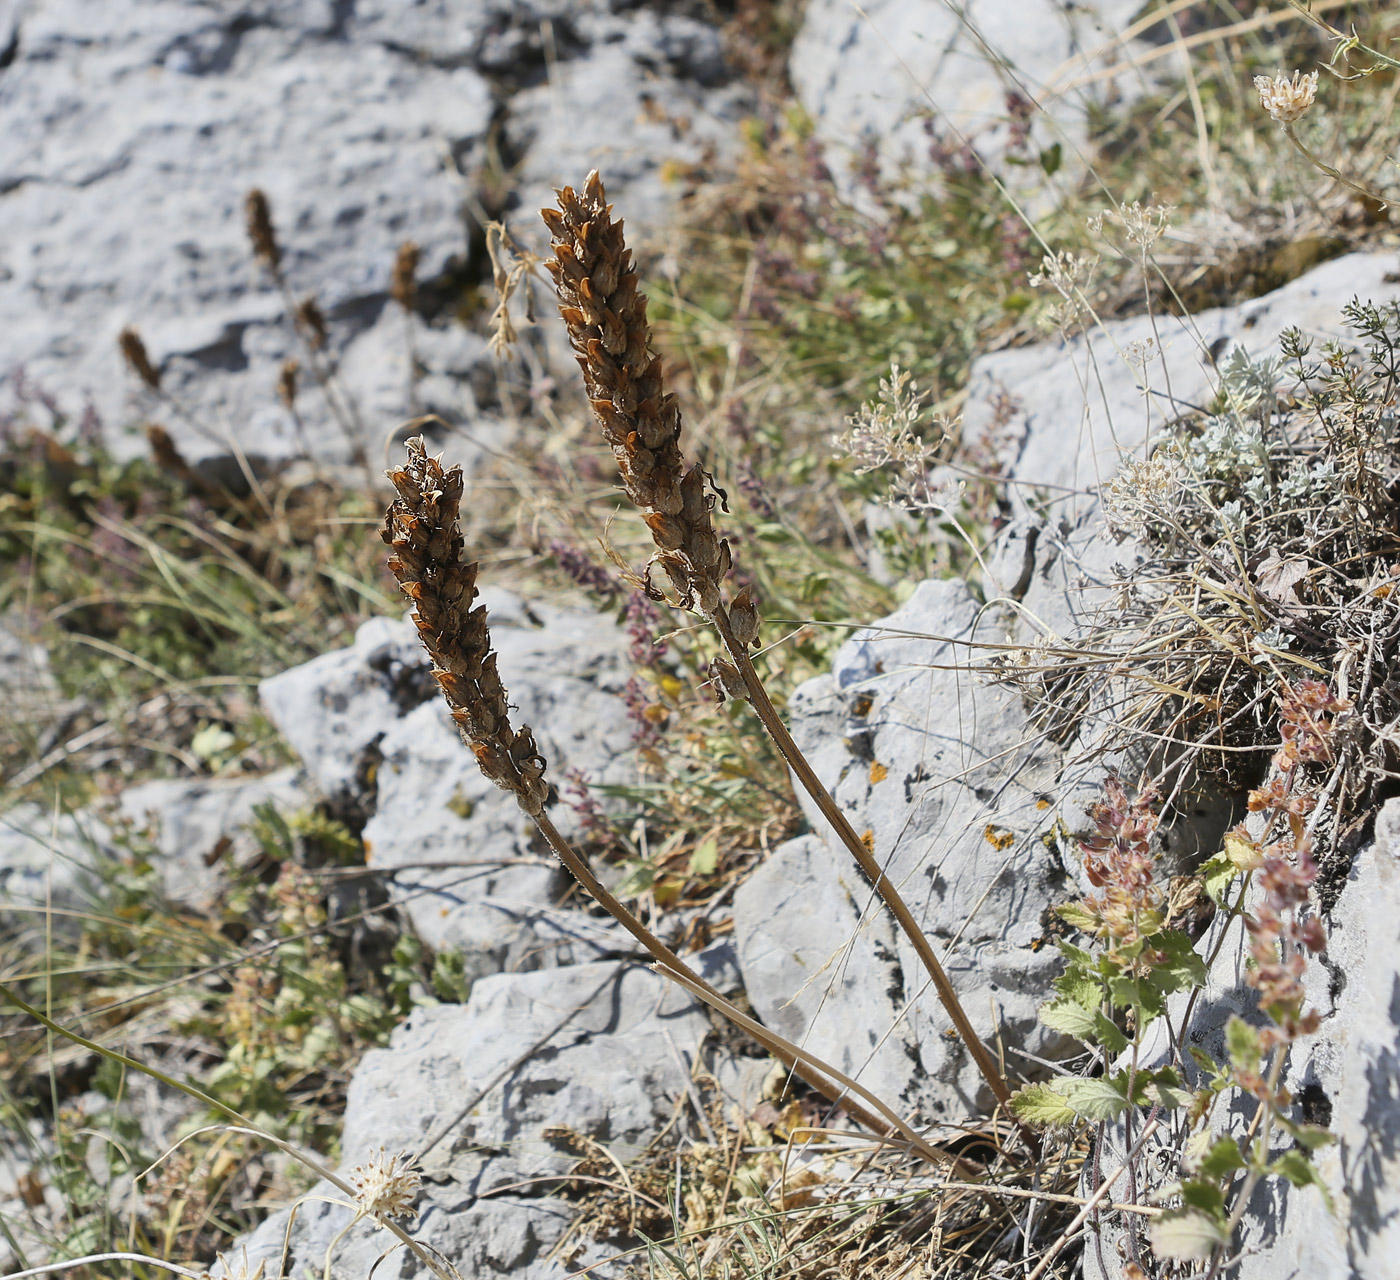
x,y
47,860
616,1052
196,825
873,76
138,126
475,875
941,772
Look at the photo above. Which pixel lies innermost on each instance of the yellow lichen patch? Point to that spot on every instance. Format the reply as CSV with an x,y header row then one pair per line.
x,y
998,839
867,838
878,772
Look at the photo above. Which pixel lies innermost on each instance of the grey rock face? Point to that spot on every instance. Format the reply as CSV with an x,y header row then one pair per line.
x,y
945,777
604,1049
136,128
48,860
875,77
1032,405
197,824
372,711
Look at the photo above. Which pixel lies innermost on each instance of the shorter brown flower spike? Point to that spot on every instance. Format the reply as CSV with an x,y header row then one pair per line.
x,y
421,527
134,352
260,229
606,317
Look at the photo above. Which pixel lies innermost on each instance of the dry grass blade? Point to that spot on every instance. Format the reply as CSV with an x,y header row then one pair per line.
x,y
605,313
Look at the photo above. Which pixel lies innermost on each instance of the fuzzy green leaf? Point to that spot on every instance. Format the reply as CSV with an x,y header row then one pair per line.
x,y
1074,915
1183,968
1040,1104
1070,1017
1088,1025
705,859
1221,1159
1242,1042
1308,1136
1218,874
1301,1172
1186,1234
1199,1193
1093,1099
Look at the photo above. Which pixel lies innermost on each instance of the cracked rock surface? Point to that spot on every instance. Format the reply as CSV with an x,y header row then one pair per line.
x,y
135,128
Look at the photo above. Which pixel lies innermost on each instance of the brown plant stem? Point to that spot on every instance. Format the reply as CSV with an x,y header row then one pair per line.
x,y
797,762
422,528
810,1068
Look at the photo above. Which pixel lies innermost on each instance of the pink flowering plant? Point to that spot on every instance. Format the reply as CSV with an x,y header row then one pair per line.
x,y
1114,989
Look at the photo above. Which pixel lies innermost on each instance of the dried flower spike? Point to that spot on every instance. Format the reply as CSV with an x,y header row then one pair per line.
x,y
287,381
313,321
403,285
1287,100
606,317
421,527
260,229
386,1186
134,352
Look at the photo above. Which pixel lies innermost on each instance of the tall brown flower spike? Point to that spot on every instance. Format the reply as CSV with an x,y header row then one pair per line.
x,y
606,317
421,527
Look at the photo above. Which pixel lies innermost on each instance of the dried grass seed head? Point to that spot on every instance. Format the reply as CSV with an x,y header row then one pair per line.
x,y
287,381
421,525
605,314
403,285
313,320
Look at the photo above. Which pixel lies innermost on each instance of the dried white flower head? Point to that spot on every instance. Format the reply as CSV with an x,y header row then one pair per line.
x,y
386,1186
1287,100
1064,272
1143,224
1142,490
887,432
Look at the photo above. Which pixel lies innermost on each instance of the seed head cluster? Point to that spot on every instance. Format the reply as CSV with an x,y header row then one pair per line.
x,y
1287,100
421,527
386,1186
606,317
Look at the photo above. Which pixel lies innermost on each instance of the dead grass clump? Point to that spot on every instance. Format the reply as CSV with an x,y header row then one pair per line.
x,y
1267,533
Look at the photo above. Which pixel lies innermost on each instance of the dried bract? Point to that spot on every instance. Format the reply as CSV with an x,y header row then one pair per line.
x,y
386,1186
421,527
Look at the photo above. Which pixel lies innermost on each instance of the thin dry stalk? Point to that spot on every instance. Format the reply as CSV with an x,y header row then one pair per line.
x,y
421,526
606,317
